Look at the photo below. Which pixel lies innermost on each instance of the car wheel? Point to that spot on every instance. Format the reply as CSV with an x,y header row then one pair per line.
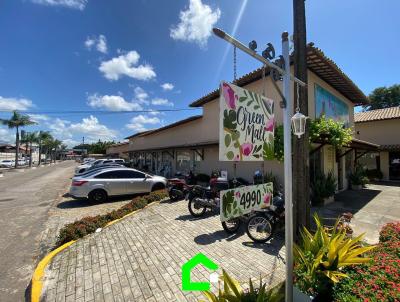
x,y
98,196
158,186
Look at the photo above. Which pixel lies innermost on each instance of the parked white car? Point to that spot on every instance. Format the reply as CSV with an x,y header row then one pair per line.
x,y
99,162
7,163
98,167
97,186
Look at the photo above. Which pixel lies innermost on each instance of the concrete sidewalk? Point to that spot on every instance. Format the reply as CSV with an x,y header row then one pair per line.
x,y
140,258
372,207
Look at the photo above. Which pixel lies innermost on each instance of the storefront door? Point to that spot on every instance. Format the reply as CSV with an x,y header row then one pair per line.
x,y
394,165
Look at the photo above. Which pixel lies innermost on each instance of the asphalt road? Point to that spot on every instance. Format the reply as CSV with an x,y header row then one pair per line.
x,y
25,199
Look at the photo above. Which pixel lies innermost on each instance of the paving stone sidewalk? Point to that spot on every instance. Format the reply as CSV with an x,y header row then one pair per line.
x,y
140,258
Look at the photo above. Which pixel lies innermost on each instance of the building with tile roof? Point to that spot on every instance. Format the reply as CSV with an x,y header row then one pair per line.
x,y
193,143
381,126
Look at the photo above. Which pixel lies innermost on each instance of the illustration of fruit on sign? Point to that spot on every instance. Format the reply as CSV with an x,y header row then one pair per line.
x,y
246,125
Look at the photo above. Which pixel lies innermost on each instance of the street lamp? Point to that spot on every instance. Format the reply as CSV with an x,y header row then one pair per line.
x,y
299,123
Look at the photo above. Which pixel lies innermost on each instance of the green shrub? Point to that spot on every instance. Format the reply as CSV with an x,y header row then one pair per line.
x,y
330,131
323,186
90,224
379,279
321,257
359,176
390,232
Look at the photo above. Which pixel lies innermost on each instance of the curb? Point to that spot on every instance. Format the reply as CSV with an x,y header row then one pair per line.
x,y
37,283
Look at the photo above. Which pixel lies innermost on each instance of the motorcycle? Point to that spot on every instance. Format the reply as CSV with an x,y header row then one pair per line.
x,y
261,226
201,199
179,187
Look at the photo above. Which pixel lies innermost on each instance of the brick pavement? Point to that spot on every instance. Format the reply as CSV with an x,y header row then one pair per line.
x,y
140,258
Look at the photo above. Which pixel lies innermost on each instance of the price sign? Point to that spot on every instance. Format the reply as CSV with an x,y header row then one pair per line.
x,y
240,201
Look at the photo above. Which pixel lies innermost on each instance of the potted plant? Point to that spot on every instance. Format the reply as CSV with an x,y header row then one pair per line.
x,y
320,258
358,178
323,188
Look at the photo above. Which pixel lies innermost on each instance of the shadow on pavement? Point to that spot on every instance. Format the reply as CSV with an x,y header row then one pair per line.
x,y
271,247
205,239
189,217
80,203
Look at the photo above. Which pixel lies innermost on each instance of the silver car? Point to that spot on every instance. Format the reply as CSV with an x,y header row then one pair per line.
x,y
97,186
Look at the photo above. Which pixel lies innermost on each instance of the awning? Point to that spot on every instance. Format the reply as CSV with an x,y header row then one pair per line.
x,y
183,146
390,147
363,145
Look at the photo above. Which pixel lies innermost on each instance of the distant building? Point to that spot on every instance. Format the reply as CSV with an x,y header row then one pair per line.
x,y
119,150
381,126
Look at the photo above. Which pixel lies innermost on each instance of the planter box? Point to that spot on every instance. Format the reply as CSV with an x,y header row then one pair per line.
x,y
356,187
329,200
298,296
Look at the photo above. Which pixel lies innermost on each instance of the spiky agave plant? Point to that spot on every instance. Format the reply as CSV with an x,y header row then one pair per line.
x,y
233,292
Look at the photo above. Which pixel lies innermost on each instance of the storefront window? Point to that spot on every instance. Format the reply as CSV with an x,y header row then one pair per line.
x,y
196,160
166,163
183,161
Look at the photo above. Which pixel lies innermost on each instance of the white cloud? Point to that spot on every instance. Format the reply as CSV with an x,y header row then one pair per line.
x,y
102,44
138,123
126,64
39,117
6,136
195,23
76,4
71,142
15,104
161,102
92,129
112,103
90,42
141,96
167,86
99,42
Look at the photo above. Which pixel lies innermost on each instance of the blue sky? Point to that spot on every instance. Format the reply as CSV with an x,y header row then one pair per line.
x,y
98,55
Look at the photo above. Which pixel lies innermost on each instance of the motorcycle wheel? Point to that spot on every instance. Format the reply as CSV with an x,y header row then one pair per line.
x,y
175,195
259,228
195,210
231,226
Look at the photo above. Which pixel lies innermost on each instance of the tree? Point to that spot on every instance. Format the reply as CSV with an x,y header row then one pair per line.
x,y
17,121
384,97
43,136
29,139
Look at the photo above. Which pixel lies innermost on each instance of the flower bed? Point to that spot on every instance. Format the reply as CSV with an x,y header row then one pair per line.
x,y
88,225
378,280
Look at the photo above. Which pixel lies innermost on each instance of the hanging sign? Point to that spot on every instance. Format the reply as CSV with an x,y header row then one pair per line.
x,y
247,121
242,200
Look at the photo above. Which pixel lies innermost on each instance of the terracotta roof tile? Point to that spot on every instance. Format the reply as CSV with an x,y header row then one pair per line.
x,y
377,115
318,63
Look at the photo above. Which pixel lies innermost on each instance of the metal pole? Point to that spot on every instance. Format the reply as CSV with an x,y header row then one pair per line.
x,y
223,35
287,147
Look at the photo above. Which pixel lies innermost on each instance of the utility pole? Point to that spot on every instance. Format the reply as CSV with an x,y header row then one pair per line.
x,y
301,175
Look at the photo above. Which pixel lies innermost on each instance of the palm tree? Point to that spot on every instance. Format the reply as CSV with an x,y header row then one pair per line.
x,y
43,136
30,138
17,121
56,145
63,148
